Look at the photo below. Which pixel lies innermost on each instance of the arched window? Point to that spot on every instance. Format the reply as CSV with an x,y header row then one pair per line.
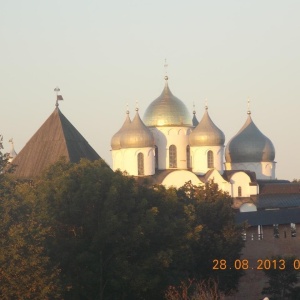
x,y
156,157
239,191
140,159
172,156
210,159
188,156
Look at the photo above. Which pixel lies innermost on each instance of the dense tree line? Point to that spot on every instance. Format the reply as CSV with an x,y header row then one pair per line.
x,y
82,231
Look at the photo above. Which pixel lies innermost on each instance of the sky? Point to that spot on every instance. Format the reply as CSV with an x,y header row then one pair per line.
x,y
105,54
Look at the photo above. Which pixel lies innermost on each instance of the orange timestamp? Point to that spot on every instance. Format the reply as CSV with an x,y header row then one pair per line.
x,y
261,264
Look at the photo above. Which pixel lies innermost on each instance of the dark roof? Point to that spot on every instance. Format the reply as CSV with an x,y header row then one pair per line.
x,y
279,188
278,200
56,138
269,217
227,174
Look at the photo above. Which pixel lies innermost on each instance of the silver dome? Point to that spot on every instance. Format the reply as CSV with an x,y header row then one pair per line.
x,y
136,135
115,140
167,110
249,145
206,133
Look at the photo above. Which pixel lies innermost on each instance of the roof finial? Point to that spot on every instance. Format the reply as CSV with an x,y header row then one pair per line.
x,y
248,105
136,105
58,97
206,107
127,109
194,111
166,69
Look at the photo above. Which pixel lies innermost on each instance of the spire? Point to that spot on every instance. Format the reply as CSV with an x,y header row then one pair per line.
x,y
248,106
58,97
206,106
136,106
166,70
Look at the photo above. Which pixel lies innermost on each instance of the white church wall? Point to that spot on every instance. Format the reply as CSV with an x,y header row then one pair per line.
x,y
223,185
127,160
263,170
178,178
240,181
199,159
164,137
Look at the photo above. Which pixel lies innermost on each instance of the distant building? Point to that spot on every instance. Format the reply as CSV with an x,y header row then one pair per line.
x,y
171,148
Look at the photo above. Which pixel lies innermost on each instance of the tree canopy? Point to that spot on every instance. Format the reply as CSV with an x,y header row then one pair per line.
x,y
97,234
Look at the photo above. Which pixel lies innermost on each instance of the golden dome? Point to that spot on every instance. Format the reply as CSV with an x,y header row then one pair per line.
x,y
167,110
136,135
206,133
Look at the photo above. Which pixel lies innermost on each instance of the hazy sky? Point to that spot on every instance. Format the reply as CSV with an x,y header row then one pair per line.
x,y
103,54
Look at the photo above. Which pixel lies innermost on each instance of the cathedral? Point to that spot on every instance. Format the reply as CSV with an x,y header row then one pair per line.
x,y
172,148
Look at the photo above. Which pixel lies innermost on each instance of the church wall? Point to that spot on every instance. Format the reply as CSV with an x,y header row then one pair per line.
x,y
165,137
263,170
240,180
199,159
224,185
178,178
127,160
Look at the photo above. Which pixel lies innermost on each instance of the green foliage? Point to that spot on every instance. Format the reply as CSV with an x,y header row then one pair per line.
x,y
116,239
85,232
210,209
281,283
25,270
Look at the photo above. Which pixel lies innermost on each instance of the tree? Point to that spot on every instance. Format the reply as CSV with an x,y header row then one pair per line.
x,y
213,234
193,290
25,269
281,282
117,239
114,239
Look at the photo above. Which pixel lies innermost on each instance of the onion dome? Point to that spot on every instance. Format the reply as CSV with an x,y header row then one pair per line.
x,y
115,140
167,110
249,145
206,133
195,120
136,135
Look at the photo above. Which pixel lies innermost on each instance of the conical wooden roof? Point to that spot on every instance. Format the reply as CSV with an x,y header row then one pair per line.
x,y
56,138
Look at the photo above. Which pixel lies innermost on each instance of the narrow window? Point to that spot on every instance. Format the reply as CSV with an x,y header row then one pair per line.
x,y
140,159
210,159
188,156
172,156
276,231
293,229
156,157
239,191
260,232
